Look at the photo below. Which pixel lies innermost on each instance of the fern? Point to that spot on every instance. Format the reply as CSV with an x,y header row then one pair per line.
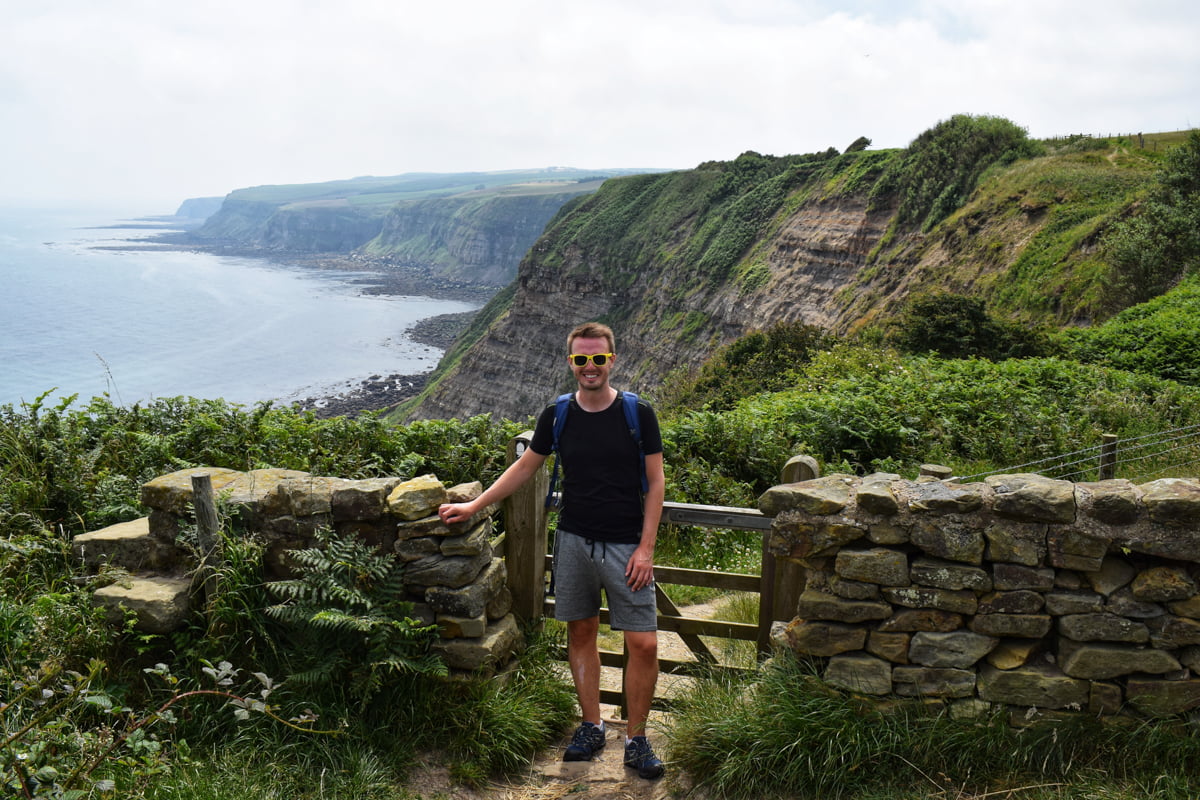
x,y
348,607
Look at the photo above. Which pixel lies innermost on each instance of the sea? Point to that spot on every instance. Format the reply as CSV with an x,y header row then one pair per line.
x,y
134,325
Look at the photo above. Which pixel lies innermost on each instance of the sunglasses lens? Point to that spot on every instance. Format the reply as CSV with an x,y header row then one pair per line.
x,y
599,359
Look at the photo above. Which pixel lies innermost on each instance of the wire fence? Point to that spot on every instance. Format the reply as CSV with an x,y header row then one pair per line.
x,y
1164,454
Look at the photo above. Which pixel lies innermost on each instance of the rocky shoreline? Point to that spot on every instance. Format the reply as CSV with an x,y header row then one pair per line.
x,y
383,393
382,274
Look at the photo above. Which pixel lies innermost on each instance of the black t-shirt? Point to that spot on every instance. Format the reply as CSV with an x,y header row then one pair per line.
x,y
601,468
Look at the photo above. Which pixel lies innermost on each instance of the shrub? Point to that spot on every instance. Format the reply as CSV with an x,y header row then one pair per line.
x,y
1152,250
942,166
760,361
956,326
1159,337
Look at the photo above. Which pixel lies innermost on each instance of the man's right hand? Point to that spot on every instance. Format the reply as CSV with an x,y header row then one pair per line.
x,y
451,513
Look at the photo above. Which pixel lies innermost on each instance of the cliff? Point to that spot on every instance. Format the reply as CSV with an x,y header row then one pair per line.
x,y
685,262
471,228
476,238
199,208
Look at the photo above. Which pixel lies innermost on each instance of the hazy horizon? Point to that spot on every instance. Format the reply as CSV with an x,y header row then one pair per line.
x,y
141,106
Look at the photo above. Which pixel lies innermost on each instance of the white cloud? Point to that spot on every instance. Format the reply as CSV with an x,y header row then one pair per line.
x,y
149,102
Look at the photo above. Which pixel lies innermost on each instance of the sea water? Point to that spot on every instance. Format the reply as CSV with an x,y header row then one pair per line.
x,y
135,325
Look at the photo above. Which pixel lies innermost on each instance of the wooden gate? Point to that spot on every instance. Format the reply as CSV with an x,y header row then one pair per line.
x,y
778,585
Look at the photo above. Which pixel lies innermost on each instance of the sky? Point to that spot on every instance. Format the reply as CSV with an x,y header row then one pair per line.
x,y
141,104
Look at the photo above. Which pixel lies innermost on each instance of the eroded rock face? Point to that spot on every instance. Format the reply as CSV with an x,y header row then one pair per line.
x,y
519,366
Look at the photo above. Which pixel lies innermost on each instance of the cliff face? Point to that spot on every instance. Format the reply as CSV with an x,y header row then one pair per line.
x,y
199,208
520,365
239,221
683,263
469,228
473,239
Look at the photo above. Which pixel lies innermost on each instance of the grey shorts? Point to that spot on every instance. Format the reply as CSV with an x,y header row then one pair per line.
x,y
582,567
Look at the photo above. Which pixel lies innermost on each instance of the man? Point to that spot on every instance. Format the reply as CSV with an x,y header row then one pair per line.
x,y
605,538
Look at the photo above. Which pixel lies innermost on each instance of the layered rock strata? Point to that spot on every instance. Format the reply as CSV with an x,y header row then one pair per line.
x,y
1019,590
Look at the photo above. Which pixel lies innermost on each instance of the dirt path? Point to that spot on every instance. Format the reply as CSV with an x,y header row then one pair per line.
x,y
603,778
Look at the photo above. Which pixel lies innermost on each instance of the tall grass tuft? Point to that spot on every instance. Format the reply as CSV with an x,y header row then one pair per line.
x,y
784,733
496,726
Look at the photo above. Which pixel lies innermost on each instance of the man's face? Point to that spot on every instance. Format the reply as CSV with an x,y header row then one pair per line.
x,y
590,376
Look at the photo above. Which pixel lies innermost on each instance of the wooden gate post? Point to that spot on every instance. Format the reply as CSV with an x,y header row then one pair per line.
x,y
525,537
784,580
207,536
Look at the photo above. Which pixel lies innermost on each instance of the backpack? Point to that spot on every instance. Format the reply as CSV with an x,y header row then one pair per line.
x,y
629,402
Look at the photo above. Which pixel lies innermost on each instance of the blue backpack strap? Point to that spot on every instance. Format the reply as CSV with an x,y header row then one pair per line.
x,y
560,415
629,401
561,404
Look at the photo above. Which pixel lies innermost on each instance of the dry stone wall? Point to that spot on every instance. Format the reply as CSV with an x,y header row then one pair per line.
x,y
452,576
1019,590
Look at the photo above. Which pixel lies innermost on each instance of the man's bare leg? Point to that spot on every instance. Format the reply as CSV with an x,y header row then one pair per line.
x,y
584,659
641,676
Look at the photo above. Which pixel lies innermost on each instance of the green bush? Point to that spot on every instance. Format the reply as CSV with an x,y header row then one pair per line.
x,y
956,326
1152,250
941,167
760,361
1160,337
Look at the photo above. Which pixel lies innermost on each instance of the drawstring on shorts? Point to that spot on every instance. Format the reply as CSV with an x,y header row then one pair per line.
x,y
592,552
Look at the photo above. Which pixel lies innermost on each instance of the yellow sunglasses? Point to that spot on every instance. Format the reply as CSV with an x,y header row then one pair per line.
x,y
599,359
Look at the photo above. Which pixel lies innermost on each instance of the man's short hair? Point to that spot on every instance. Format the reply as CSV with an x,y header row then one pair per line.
x,y
592,330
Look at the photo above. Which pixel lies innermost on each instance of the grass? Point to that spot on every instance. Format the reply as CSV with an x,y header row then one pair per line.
x,y
783,733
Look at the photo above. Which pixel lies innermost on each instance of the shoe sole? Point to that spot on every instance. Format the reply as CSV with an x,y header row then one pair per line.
x,y
569,756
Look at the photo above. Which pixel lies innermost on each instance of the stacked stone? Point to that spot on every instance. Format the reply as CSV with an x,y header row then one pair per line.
x,y
1020,590
462,584
452,574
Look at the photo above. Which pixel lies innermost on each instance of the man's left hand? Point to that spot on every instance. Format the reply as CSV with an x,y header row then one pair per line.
x,y
639,572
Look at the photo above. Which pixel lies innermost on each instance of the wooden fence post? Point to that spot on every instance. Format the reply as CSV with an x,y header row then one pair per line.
x,y
525,537
208,536
1108,457
783,581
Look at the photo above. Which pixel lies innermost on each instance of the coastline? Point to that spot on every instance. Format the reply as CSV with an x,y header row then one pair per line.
x,y
379,276
382,393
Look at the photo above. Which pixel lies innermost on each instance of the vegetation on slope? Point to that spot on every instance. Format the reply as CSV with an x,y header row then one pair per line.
x,y
703,219
1160,244
940,168
979,211
1160,337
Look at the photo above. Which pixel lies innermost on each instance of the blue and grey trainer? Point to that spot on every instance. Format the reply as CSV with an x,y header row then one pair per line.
x,y
585,743
640,755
